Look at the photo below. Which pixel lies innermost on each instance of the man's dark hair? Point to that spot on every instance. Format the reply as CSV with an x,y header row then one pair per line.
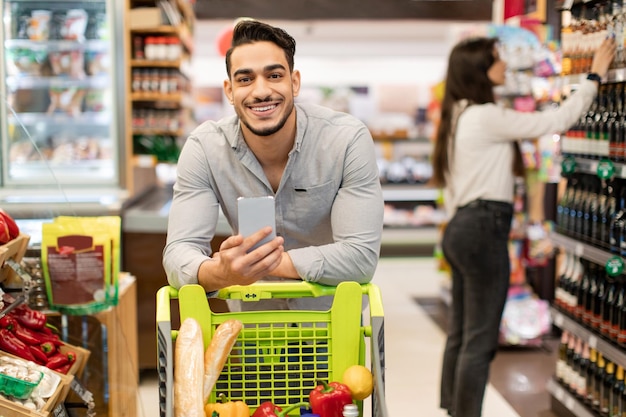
x,y
250,31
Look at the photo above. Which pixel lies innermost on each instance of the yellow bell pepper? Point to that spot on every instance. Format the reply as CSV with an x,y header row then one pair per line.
x,y
226,408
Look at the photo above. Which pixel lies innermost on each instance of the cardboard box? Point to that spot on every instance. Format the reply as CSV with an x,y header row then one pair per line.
x,y
145,18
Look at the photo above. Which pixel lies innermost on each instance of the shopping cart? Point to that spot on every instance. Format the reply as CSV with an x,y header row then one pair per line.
x,y
280,355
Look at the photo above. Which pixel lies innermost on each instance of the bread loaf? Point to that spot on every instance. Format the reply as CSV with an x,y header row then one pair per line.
x,y
217,352
189,370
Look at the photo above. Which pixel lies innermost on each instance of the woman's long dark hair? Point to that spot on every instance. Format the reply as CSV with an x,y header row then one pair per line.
x,y
467,79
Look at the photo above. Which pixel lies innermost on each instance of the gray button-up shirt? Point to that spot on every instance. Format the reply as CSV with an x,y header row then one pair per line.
x,y
329,205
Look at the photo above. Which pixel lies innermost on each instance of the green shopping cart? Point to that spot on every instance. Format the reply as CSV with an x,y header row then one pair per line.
x,y
280,355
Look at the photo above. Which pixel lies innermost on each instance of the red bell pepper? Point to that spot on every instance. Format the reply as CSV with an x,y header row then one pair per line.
x,y
328,400
57,360
40,357
7,322
48,348
14,230
28,317
34,337
64,369
268,409
10,343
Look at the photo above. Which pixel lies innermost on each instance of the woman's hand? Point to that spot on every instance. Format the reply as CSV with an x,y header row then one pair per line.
x,y
603,57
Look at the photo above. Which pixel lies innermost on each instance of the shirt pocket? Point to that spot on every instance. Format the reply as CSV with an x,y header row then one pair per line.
x,y
312,203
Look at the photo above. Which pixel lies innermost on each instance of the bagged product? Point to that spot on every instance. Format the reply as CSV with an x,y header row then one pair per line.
x,y
80,262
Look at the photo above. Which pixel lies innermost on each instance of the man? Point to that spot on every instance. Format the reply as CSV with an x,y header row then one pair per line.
x,y
318,164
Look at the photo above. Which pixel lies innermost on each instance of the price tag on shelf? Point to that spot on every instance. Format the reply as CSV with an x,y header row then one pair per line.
x,y
592,342
570,403
558,320
568,165
560,394
605,169
614,266
579,250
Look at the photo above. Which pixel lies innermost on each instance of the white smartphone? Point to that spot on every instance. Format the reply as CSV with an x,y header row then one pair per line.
x,y
255,213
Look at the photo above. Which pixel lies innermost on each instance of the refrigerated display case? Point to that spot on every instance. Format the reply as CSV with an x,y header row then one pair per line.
x,y
61,112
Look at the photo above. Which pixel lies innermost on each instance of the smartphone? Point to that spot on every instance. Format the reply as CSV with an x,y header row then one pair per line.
x,y
255,213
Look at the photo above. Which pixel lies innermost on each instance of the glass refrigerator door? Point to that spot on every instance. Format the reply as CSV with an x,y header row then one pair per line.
x,y
59,104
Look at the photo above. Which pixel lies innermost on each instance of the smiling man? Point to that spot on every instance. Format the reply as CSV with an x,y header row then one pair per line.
x,y
319,165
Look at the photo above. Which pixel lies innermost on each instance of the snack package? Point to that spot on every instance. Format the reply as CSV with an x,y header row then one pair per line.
x,y
81,262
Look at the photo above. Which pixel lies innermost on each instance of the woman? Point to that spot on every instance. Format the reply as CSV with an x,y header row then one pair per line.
x,y
476,159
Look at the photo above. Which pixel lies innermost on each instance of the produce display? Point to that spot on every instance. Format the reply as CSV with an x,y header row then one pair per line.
x,y
8,228
196,371
26,383
25,333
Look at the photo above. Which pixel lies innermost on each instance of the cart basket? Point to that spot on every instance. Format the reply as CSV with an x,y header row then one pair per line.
x,y
280,355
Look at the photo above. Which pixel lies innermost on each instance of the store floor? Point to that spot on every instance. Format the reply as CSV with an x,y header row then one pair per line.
x,y
414,342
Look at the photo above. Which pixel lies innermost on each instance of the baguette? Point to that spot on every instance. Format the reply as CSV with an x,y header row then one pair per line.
x,y
189,370
217,352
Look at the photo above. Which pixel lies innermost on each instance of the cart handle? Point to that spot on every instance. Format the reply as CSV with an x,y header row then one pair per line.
x,y
267,290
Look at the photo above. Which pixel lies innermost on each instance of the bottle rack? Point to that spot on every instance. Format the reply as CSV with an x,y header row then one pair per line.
x,y
160,82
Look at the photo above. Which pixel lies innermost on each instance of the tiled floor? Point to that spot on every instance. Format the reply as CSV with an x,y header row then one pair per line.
x,y
413,346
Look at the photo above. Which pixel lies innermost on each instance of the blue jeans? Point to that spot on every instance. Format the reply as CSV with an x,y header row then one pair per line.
x,y
475,244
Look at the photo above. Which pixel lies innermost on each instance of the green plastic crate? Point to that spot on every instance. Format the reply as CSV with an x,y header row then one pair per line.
x,y
280,355
17,387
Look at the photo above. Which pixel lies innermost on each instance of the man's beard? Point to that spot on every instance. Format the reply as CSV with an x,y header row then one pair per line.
x,y
268,131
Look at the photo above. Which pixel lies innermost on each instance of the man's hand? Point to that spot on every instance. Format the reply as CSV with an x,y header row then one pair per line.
x,y
234,265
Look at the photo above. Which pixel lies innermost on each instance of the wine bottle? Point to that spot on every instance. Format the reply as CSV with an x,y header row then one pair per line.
x,y
606,388
607,306
617,223
583,291
592,294
600,298
591,375
598,382
617,392
561,362
617,308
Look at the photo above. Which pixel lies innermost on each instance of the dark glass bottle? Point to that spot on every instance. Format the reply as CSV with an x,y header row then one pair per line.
x,y
612,123
616,224
599,300
582,209
591,375
583,291
617,393
562,289
606,388
617,308
618,124
583,368
593,212
602,133
607,306
574,287
598,382
562,209
561,362
574,383
592,120
575,207
607,215
592,294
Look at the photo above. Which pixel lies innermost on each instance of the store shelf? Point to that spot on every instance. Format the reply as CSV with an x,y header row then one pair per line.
x,y
57,45
572,403
581,249
608,349
31,82
409,192
85,118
